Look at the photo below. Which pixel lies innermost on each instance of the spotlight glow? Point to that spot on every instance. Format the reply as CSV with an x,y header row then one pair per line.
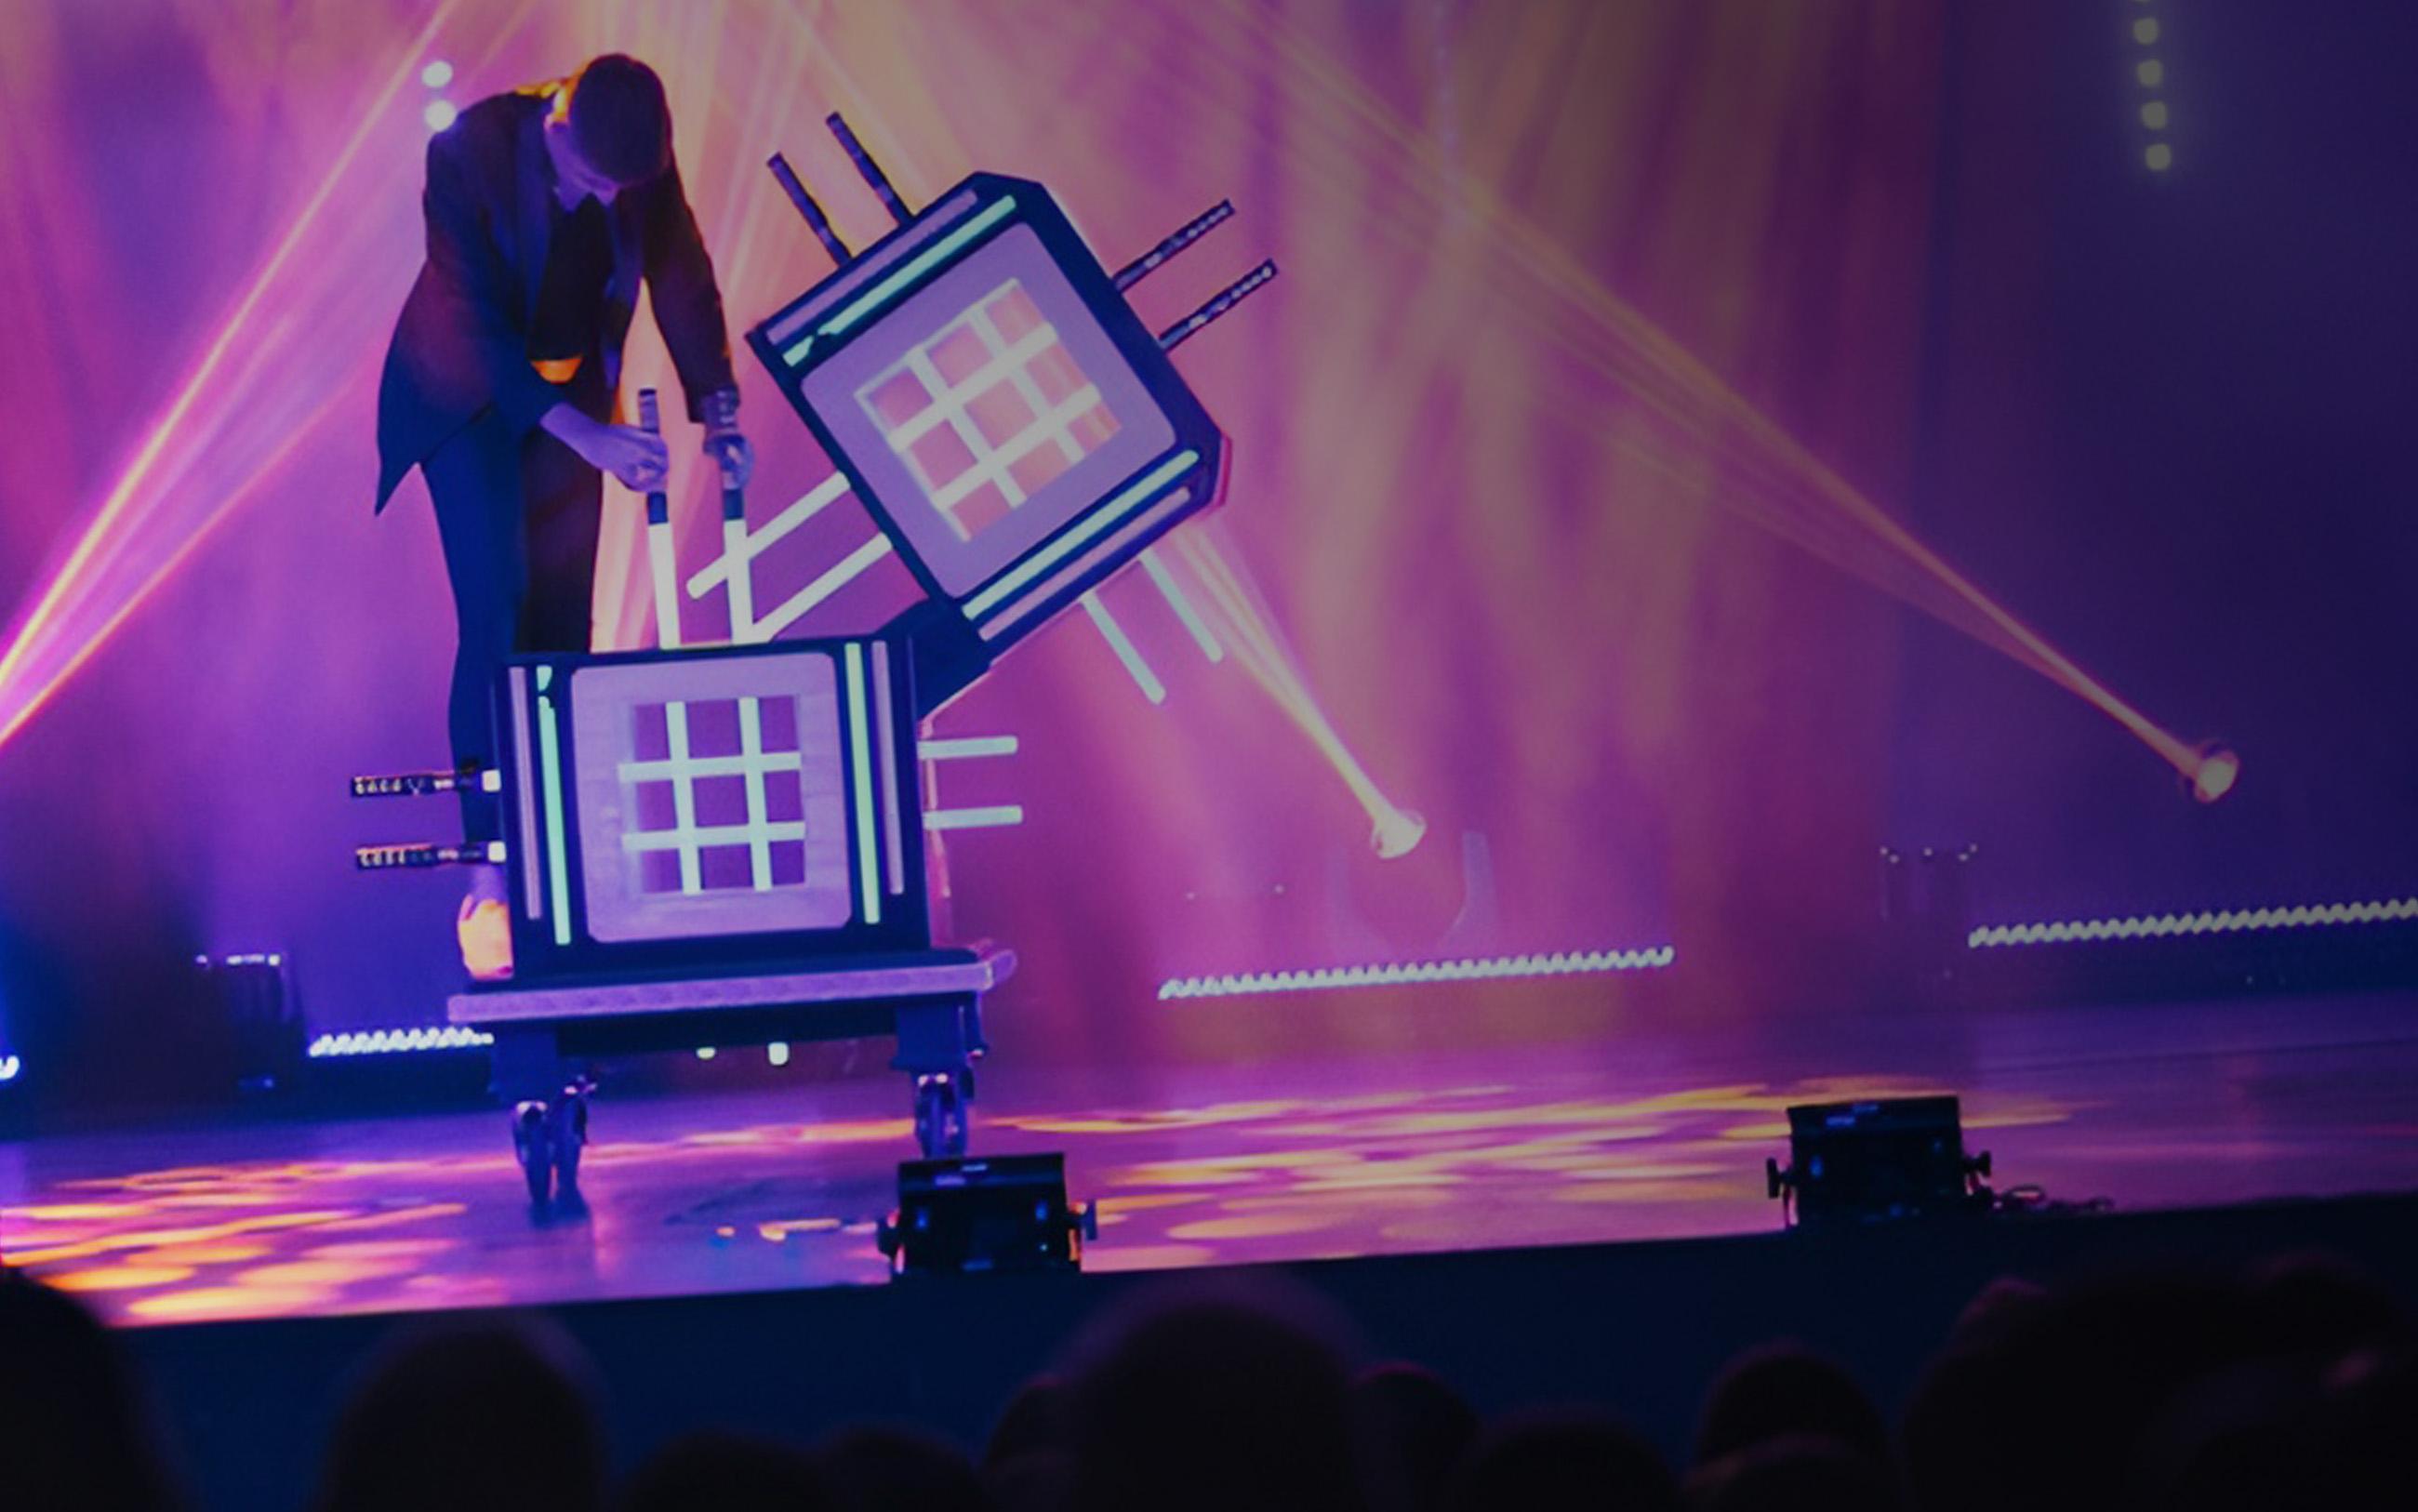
x,y
1398,834
9,1066
2219,768
1495,968
437,74
2159,156
1396,831
2153,116
439,115
2167,926
2151,73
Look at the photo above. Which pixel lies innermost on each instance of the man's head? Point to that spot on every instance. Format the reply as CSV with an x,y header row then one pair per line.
x,y
618,127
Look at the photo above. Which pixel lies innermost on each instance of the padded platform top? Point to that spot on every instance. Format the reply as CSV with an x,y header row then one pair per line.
x,y
859,979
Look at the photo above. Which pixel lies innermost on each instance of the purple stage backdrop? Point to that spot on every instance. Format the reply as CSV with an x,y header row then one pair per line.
x,y
1613,346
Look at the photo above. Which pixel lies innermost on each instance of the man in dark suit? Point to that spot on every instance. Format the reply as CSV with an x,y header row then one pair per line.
x,y
546,208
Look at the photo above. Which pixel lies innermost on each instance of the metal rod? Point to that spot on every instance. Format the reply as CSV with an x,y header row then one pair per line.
x,y
662,551
816,222
743,577
1225,299
1190,232
422,854
866,166
650,420
424,784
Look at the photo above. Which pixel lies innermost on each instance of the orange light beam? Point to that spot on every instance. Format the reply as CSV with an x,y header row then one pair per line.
x,y
1548,260
40,695
121,497
1396,830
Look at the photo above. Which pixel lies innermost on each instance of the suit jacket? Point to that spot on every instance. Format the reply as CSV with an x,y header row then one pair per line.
x,y
460,343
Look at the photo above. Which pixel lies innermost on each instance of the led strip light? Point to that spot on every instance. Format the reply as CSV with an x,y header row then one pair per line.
x,y
2169,926
392,1040
1564,963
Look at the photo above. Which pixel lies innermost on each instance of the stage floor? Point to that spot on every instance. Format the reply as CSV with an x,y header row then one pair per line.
x,y
1655,1134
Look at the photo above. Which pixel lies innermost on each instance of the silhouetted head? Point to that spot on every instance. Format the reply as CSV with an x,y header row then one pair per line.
x,y
2371,1400
1026,1466
1414,1429
727,1472
878,1468
1783,1389
73,1432
2321,1307
1796,1472
1995,1308
2074,1381
1953,1436
470,1417
1213,1404
1033,1421
2246,1440
1564,1459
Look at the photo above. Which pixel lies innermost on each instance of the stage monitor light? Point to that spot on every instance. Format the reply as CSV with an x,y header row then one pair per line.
x,y
1877,1162
1015,429
253,1016
713,810
1003,1213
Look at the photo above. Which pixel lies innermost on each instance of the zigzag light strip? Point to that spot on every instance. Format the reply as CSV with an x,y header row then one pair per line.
x,y
2168,926
390,1041
1565,963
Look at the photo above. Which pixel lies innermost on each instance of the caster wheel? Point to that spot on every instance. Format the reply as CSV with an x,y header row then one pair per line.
x,y
567,1135
939,1117
534,1146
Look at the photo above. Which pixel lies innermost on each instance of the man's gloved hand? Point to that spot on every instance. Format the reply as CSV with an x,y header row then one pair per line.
x,y
724,443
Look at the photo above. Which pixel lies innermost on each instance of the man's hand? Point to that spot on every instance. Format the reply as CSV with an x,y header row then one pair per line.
x,y
734,455
724,443
636,457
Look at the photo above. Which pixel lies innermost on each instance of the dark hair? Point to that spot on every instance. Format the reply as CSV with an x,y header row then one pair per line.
x,y
74,1425
1205,1397
619,120
1562,1457
487,1417
1786,1388
729,1473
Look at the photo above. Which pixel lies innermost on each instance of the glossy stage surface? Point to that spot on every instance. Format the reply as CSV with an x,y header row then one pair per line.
x,y
1653,1134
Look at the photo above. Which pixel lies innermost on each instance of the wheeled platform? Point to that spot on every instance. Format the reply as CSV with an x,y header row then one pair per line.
x,y
547,1037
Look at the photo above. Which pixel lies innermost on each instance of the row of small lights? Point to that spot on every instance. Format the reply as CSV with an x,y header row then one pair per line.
x,y
390,1041
438,1037
439,113
2166,925
2152,72
1566,963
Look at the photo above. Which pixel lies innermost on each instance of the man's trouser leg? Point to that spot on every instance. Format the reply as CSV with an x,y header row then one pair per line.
x,y
475,482
517,515
565,508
